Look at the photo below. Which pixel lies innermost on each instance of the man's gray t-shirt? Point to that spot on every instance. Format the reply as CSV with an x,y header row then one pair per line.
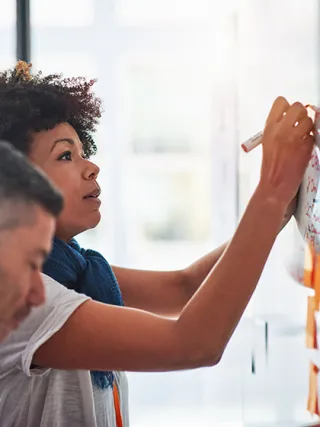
x,y
51,397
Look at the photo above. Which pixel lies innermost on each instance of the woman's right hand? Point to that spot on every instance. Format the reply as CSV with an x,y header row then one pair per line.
x,y
287,147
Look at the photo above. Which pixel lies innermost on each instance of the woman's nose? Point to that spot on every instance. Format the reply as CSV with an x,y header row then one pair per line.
x,y
91,170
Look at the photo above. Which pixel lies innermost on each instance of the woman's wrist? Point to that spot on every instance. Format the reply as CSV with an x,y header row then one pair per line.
x,y
271,200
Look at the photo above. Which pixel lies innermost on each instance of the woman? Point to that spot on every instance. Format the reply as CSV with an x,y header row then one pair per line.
x,y
46,362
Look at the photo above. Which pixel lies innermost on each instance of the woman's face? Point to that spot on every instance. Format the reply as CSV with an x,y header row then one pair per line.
x,y
59,153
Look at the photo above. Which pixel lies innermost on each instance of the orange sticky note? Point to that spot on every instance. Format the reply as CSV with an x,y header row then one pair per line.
x,y
316,282
311,338
313,402
309,266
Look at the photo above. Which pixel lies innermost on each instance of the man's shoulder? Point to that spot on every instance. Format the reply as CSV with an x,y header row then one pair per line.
x,y
54,290
49,317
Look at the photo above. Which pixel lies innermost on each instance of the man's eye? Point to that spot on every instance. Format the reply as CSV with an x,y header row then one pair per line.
x,y
33,266
65,156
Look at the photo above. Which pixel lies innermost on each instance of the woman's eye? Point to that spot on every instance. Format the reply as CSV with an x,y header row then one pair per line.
x,y
65,156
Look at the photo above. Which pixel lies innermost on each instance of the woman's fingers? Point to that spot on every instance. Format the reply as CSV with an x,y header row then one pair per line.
x,y
295,113
278,109
287,146
305,126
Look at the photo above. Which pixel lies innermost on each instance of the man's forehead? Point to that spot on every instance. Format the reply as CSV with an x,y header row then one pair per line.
x,y
39,233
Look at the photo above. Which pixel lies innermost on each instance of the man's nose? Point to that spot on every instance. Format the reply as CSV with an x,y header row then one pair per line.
x,y
37,291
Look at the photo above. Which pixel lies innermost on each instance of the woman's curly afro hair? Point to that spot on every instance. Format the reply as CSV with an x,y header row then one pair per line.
x,y
32,103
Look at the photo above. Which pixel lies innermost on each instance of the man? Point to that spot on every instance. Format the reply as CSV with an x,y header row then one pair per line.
x,y
29,205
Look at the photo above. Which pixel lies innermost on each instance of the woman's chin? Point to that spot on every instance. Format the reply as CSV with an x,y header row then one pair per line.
x,y
94,220
65,230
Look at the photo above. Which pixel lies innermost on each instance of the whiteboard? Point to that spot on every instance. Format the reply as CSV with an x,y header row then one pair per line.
x,y
307,218
308,210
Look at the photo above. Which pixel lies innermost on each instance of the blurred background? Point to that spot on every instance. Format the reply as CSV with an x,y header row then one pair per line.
x,y
183,83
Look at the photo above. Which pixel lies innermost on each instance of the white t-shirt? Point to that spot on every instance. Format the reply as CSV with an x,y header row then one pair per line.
x,y
51,397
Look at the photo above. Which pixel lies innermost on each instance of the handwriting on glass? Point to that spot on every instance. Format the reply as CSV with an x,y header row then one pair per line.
x,y
308,211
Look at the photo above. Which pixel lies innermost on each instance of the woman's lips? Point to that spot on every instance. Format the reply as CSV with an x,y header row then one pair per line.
x,y
92,199
95,193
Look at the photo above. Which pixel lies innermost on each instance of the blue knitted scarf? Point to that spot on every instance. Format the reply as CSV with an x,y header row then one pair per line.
x,y
87,272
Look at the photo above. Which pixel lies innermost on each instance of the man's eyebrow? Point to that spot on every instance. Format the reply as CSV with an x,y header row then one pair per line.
x,y
57,141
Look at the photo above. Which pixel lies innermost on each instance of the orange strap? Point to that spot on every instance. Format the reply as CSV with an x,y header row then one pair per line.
x,y
116,401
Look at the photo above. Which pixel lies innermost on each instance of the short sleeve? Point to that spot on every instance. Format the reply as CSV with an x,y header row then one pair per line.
x,y
18,350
